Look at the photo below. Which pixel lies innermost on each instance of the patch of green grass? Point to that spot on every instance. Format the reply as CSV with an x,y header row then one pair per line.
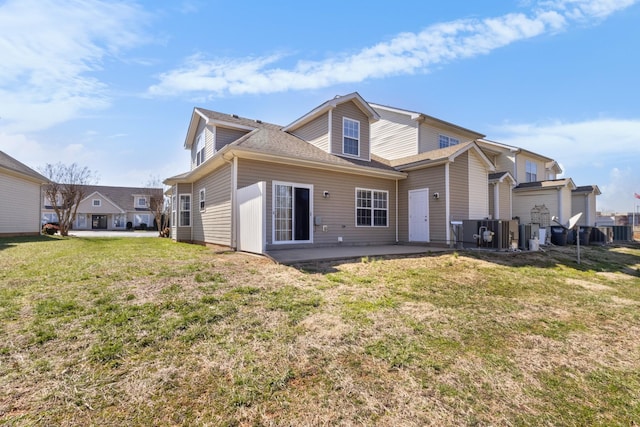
x,y
293,301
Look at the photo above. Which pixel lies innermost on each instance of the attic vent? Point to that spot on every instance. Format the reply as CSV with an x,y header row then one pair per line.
x,y
258,121
235,116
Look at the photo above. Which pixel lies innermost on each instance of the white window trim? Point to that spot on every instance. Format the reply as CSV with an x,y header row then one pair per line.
x,y
180,210
451,141
274,184
202,196
144,204
344,122
373,209
530,169
200,150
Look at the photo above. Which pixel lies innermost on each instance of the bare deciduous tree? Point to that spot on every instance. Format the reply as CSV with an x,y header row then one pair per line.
x,y
159,205
66,190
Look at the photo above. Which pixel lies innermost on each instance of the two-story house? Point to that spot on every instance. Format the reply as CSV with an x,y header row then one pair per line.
x,y
350,172
447,172
111,208
257,186
536,184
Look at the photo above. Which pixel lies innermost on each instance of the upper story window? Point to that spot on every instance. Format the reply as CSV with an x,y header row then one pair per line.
x,y
447,141
96,203
141,202
202,199
200,146
532,171
372,208
350,137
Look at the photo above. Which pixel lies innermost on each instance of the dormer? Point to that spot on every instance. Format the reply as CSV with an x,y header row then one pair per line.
x,y
210,131
340,126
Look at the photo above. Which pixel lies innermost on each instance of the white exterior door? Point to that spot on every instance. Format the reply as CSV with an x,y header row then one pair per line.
x,y
419,215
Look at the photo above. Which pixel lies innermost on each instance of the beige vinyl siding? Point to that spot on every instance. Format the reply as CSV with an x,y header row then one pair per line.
x,y
183,233
213,225
523,202
20,207
337,211
506,163
106,207
585,203
225,136
434,179
478,188
194,146
351,111
459,188
429,137
316,132
504,189
394,136
521,167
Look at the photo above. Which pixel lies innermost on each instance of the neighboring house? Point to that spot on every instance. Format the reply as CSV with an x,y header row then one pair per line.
x,y
348,172
20,187
111,208
256,186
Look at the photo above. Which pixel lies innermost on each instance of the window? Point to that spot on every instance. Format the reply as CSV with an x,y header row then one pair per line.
x,y
174,206
96,202
200,145
447,141
141,202
49,217
202,199
139,219
532,171
119,220
371,208
350,137
185,210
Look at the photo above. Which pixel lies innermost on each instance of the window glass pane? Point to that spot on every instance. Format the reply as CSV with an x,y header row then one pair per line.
x,y
351,137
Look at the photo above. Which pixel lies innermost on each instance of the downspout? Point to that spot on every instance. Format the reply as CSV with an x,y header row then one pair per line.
x,y
396,211
447,204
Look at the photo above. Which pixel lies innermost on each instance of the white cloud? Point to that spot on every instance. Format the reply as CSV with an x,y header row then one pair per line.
x,y
407,53
49,49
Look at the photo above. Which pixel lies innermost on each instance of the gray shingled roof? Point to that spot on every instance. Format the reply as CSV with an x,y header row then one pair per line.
x,y
431,156
122,196
270,140
544,184
8,162
235,119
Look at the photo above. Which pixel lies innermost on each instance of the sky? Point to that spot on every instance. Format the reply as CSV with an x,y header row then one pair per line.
x,y
111,85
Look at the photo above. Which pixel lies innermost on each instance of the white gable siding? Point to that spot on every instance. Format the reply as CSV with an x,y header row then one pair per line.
x,y
20,207
478,187
394,136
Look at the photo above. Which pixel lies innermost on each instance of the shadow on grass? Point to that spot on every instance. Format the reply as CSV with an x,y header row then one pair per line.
x,y
8,242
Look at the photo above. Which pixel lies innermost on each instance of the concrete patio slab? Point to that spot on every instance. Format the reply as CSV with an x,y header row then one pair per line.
x,y
296,256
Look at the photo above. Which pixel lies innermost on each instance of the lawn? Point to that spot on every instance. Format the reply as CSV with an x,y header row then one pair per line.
x,y
146,331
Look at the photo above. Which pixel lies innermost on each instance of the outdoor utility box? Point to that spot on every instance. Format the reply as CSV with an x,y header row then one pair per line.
x,y
528,232
502,233
602,235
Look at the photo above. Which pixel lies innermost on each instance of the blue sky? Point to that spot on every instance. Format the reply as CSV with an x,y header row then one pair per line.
x,y
111,85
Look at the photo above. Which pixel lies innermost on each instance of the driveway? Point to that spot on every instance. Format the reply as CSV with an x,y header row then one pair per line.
x,y
111,233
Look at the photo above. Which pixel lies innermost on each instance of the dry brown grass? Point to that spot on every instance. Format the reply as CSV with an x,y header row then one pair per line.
x,y
202,338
